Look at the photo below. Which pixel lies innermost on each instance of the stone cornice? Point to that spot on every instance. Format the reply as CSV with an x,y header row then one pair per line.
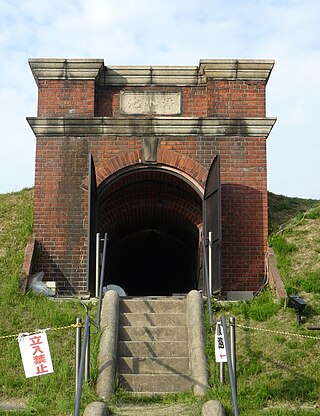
x,y
215,69
234,69
156,126
65,69
149,75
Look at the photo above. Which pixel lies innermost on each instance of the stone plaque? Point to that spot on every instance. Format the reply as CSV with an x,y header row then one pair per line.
x,y
163,103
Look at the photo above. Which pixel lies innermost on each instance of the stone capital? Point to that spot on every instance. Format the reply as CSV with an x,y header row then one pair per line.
x,y
234,69
65,69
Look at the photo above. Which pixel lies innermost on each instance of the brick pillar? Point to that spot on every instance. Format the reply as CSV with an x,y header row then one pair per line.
x,y
67,91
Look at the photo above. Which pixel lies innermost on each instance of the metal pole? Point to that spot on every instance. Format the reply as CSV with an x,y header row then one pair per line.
x,y
87,357
205,261
78,350
232,323
102,278
231,375
81,370
210,261
97,263
222,373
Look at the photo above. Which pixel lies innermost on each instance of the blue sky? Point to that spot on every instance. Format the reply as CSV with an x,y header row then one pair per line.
x,y
170,32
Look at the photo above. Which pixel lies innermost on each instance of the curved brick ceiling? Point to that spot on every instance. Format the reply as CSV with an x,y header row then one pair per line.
x,y
149,199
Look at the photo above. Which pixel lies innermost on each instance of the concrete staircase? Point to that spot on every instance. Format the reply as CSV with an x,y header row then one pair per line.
x,y
152,345
153,353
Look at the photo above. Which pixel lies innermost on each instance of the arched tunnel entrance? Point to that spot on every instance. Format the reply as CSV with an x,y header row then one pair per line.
x,y
152,217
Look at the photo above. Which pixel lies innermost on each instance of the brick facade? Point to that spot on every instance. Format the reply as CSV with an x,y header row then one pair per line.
x,y
222,111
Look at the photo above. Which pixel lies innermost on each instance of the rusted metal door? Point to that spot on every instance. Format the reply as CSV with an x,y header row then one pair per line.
x,y
92,225
212,224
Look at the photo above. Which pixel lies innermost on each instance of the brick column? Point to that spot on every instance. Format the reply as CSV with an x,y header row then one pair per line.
x,y
66,86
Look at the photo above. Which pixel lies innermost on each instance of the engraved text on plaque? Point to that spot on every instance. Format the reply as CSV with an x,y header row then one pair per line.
x,y
150,103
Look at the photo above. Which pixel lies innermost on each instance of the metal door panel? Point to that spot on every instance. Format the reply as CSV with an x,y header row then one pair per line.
x,y
212,224
92,225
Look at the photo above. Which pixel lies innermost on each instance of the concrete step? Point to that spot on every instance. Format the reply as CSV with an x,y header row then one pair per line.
x,y
152,319
153,333
145,365
152,349
155,409
155,383
159,305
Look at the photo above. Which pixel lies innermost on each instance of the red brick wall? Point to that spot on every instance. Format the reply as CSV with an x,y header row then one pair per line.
x,y
60,209
236,98
219,99
64,98
60,201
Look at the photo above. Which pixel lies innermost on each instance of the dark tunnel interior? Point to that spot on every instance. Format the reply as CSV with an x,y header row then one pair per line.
x,y
151,217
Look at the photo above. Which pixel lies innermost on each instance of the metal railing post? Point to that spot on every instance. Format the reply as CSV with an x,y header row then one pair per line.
x,y
97,263
231,375
82,365
87,357
232,323
205,261
83,358
210,261
222,373
102,279
78,350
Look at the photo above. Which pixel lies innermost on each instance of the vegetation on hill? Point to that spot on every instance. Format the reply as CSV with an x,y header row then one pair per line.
x,y
283,209
49,394
278,373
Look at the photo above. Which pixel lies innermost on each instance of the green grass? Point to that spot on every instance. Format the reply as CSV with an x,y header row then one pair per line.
x,y
278,374
273,369
314,213
297,249
283,208
25,313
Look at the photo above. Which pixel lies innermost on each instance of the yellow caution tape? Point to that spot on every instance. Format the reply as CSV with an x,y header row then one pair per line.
x,y
277,332
60,328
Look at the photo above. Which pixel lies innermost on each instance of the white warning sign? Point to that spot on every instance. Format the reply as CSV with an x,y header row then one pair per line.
x,y
35,354
219,344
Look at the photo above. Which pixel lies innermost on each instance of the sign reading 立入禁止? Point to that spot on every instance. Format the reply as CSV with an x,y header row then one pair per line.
x,y
219,344
35,354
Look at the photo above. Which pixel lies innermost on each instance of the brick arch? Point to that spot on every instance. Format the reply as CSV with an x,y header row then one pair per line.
x,y
184,164
181,162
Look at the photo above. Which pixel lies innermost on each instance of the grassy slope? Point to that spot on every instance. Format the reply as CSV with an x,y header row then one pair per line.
x,y
273,369
23,313
283,209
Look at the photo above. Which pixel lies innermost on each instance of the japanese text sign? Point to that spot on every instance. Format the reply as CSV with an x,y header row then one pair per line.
x,y
219,344
35,354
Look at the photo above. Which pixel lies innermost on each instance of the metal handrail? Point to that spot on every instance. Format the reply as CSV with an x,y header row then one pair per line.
x,y
82,367
231,360
206,276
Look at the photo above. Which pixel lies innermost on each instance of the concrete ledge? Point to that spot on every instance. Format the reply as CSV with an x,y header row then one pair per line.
x,y
149,75
274,277
236,69
197,343
65,69
142,126
27,264
17,405
213,408
96,409
107,357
